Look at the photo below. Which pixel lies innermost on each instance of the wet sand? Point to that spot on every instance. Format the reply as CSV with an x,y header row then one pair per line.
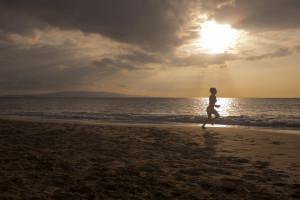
x,y
73,161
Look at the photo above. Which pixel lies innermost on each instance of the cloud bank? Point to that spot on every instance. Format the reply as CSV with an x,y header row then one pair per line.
x,y
70,44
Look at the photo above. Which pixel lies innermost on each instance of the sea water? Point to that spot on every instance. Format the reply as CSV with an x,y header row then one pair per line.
x,y
262,112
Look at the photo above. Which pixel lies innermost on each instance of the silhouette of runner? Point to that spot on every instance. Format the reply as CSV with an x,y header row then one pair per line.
x,y
211,108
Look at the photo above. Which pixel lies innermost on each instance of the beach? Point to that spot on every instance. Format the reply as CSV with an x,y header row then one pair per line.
x,y
47,160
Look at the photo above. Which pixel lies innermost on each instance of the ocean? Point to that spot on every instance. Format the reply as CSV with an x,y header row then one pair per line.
x,y
281,113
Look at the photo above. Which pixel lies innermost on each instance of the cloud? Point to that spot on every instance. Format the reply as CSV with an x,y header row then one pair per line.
x,y
259,15
117,44
280,52
152,24
50,62
297,48
114,65
44,67
142,57
202,60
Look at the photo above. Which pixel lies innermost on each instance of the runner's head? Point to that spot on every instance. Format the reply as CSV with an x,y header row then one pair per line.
x,y
213,90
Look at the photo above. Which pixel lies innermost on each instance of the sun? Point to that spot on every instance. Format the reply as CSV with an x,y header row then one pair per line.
x,y
217,38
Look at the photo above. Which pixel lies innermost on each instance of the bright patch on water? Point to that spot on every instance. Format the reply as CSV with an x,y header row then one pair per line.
x,y
273,113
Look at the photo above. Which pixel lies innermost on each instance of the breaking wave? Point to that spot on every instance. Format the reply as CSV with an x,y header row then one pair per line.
x,y
242,120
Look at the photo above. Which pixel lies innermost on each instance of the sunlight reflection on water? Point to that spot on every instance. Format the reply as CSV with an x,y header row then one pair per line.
x,y
226,106
233,111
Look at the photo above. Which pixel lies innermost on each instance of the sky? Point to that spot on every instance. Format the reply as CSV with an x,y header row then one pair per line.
x,y
159,48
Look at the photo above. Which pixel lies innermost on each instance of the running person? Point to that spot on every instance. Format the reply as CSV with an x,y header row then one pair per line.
x,y
211,107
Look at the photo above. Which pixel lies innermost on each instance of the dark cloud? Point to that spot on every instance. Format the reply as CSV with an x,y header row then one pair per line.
x,y
14,21
202,60
134,59
259,15
142,57
44,67
152,24
280,52
297,48
114,65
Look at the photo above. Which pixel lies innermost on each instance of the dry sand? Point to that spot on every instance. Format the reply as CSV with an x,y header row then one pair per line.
x,y
72,161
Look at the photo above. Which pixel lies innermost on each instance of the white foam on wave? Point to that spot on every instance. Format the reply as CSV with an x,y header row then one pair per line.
x,y
150,118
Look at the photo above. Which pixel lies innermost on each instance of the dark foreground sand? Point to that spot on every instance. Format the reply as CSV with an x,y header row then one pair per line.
x,y
71,161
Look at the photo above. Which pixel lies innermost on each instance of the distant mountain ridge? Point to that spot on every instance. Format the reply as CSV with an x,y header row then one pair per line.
x,y
76,94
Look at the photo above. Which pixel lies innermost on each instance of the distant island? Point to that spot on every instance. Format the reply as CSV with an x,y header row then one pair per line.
x,y
76,94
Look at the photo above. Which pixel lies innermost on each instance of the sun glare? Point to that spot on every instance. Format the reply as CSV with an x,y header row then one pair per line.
x,y
217,38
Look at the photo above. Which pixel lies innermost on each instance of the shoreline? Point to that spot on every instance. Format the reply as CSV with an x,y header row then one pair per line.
x,y
47,160
283,130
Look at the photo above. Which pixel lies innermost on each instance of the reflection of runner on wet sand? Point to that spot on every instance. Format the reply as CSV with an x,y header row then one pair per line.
x,y
211,108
